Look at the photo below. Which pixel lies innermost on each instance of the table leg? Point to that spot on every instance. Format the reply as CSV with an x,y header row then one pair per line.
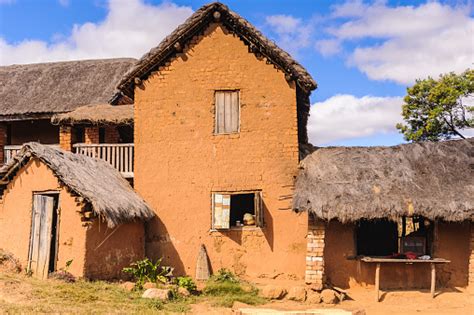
x,y
433,279
377,282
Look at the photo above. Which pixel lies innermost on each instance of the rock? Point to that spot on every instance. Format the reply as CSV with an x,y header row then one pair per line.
x,y
329,296
313,298
183,291
273,292
160,294
315,286
247,287
149,285
297,294
128,286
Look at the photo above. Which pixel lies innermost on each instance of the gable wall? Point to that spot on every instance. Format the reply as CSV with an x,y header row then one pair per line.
x,y
15,217
179,161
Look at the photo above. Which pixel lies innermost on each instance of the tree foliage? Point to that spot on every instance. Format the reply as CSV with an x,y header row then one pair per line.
x,y
437,109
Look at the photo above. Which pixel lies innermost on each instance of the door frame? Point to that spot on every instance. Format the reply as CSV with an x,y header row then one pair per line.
x,y
56,212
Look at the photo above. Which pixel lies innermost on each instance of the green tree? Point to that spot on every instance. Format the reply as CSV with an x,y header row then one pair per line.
x,y
434,109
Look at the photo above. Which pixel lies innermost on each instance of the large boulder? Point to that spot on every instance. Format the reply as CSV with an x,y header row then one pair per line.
x,y
183,291
297,294
160,294
329,296
273,292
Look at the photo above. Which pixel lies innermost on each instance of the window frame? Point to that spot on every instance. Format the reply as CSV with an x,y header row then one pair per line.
x,y
216,115
258,209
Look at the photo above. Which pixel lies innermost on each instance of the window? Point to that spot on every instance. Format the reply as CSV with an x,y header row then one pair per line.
x,y
236,209
227,112
384,237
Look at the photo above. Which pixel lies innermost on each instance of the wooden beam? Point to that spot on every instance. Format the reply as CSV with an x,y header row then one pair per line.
x,y
433,279
377,282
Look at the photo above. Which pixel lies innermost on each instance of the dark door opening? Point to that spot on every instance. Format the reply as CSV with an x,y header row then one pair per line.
x,y
53,251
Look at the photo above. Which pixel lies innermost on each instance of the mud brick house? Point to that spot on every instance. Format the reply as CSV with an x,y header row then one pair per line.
x,y
384,200
56,206
220,112
32,94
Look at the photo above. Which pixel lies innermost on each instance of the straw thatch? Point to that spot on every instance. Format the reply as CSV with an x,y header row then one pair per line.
x,y
97,182
39,90
195,25
431,179
101,114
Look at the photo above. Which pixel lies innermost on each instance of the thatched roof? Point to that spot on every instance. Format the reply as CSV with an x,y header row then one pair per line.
x,y
101,114
432,179
196,24
40,90
97,182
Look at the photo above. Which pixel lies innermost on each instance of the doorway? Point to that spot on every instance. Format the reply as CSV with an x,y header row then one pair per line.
x,y
43,250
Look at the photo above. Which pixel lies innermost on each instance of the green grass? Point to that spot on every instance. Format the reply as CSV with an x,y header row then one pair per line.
x,y
225,293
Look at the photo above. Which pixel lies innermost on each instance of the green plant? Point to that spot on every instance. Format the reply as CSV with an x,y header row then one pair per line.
x,y
225,275
225,293
68,264
148,271
187,283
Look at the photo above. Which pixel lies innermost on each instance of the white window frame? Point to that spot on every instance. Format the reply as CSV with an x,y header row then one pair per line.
x,y
258,209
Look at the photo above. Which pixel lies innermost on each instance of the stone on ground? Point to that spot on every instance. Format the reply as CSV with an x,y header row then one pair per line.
x,y
128,286
149,285
313,297
273,292
297,294
329,296
183,291
160,294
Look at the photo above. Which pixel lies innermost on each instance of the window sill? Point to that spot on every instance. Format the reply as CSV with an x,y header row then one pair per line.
x,y
251,228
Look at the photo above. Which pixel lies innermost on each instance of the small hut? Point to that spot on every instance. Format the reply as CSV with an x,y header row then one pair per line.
x,y
57,207
388,202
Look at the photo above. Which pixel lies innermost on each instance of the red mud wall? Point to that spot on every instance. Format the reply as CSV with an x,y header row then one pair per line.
x,y
452,243
108,251
179,161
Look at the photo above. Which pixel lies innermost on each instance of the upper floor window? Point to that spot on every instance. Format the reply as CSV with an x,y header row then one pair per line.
x,y
227,112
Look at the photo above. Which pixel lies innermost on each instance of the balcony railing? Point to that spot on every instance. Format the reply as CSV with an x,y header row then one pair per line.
x,y
119,156
11,150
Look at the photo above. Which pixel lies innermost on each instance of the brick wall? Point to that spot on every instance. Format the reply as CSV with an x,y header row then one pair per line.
x,y
65,138
91,135
471,258
314,274
111,134
3,140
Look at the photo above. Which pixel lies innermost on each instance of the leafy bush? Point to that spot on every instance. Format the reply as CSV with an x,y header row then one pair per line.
x,y
225,275
148,271
225,293
187,283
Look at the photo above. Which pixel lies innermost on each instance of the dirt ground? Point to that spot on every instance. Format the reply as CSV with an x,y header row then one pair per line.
x,y
21,294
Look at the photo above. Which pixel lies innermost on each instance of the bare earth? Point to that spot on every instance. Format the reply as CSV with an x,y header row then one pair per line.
x,y
20,294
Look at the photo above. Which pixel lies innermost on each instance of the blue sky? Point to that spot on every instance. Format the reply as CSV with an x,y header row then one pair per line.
x,y
362,54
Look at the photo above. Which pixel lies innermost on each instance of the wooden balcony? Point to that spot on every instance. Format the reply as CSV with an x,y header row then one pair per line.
x,y
11,150
119,156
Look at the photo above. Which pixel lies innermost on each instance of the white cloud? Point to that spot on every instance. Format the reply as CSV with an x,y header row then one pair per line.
x,y
343,117
130,29
328,47
292,33
416,41
6,1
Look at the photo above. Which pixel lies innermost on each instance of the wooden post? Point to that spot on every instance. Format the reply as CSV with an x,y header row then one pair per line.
x,y
433,279
377,282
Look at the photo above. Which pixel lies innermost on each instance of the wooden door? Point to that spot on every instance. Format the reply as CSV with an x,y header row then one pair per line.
x,y
41,229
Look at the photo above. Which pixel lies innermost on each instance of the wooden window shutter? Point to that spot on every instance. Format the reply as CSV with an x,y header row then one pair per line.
x,y
227,112
259,209
221,211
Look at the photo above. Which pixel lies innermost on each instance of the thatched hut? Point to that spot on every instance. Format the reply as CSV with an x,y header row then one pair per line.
x,y
380,201
56,206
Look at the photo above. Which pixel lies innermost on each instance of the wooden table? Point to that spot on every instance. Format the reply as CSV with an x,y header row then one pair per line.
x,y
379,261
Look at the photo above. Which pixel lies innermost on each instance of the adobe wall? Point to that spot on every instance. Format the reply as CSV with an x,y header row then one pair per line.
x,y
452,243
15,217
108,251
179,162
